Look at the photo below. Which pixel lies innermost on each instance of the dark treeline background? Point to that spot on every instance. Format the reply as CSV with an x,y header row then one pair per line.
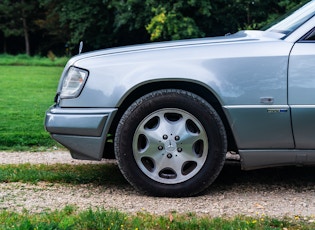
x,y
36,27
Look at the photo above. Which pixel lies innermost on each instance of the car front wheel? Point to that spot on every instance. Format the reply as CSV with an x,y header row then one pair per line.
x,y
170,143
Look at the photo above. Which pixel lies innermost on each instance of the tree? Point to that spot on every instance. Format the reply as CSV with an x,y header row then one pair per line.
x,y
88,20
16,20
107,23
162,20
8,24
177,19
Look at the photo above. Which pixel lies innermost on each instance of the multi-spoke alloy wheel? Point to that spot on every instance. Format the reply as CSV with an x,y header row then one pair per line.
x,y
170,146
170,143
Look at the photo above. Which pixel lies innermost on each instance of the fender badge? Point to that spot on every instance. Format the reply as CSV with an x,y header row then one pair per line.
x,y
277,110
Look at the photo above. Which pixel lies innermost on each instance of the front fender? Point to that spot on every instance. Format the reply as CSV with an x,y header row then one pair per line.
x,y
108,86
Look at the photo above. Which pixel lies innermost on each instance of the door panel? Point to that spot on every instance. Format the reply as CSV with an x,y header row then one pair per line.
x,y
301,85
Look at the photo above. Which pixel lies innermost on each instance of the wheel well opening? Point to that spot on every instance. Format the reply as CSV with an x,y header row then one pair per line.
x,y
188,86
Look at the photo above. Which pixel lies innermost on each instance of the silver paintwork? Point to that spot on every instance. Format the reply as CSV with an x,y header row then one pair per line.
x,y
83,131
84,122
263,80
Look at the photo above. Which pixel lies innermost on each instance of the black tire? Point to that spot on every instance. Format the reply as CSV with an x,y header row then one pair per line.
x,y
170,143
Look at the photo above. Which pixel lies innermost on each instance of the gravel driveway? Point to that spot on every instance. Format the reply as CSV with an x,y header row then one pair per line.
x,y
276,192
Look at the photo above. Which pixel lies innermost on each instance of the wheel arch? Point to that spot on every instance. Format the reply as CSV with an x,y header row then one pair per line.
x,y
192,87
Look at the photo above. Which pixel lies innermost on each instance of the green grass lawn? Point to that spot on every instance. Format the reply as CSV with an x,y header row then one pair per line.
x,y
27,92
69,218
62,173
25,60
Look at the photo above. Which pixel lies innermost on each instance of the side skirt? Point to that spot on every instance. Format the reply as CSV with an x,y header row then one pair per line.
x,y
255,159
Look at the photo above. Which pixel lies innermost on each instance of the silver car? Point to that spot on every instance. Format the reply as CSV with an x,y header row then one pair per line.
x,y
172,110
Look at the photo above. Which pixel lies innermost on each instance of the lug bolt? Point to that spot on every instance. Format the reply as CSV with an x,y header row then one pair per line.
x,y
179,149
169,156
160,147
177,138
165,136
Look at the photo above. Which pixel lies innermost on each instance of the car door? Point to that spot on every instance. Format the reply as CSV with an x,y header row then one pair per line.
x,y
301,91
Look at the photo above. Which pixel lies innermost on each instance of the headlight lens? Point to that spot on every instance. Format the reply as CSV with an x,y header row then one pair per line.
x,y
73,82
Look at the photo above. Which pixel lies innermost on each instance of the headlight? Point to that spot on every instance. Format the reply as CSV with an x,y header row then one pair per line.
x,y
73,82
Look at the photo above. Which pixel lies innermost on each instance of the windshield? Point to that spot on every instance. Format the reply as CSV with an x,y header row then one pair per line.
x,y
294,19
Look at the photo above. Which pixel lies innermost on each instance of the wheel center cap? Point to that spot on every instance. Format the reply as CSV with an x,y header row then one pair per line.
x,y
170,146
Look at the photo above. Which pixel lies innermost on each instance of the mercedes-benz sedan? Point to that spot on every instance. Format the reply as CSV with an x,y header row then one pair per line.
x,y
172,110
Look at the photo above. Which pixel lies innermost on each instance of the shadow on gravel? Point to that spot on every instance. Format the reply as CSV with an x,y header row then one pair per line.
x,y
294,178
231,179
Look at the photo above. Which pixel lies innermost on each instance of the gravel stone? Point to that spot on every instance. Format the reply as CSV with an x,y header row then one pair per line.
x,y
272,192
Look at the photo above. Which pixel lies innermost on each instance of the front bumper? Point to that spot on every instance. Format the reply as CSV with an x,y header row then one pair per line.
x,y
82,130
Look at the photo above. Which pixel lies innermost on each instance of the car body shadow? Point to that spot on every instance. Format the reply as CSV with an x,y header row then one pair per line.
x,y
294,178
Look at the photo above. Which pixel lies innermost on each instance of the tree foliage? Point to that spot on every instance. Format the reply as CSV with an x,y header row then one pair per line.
x,y
16,19
59,25
177,19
